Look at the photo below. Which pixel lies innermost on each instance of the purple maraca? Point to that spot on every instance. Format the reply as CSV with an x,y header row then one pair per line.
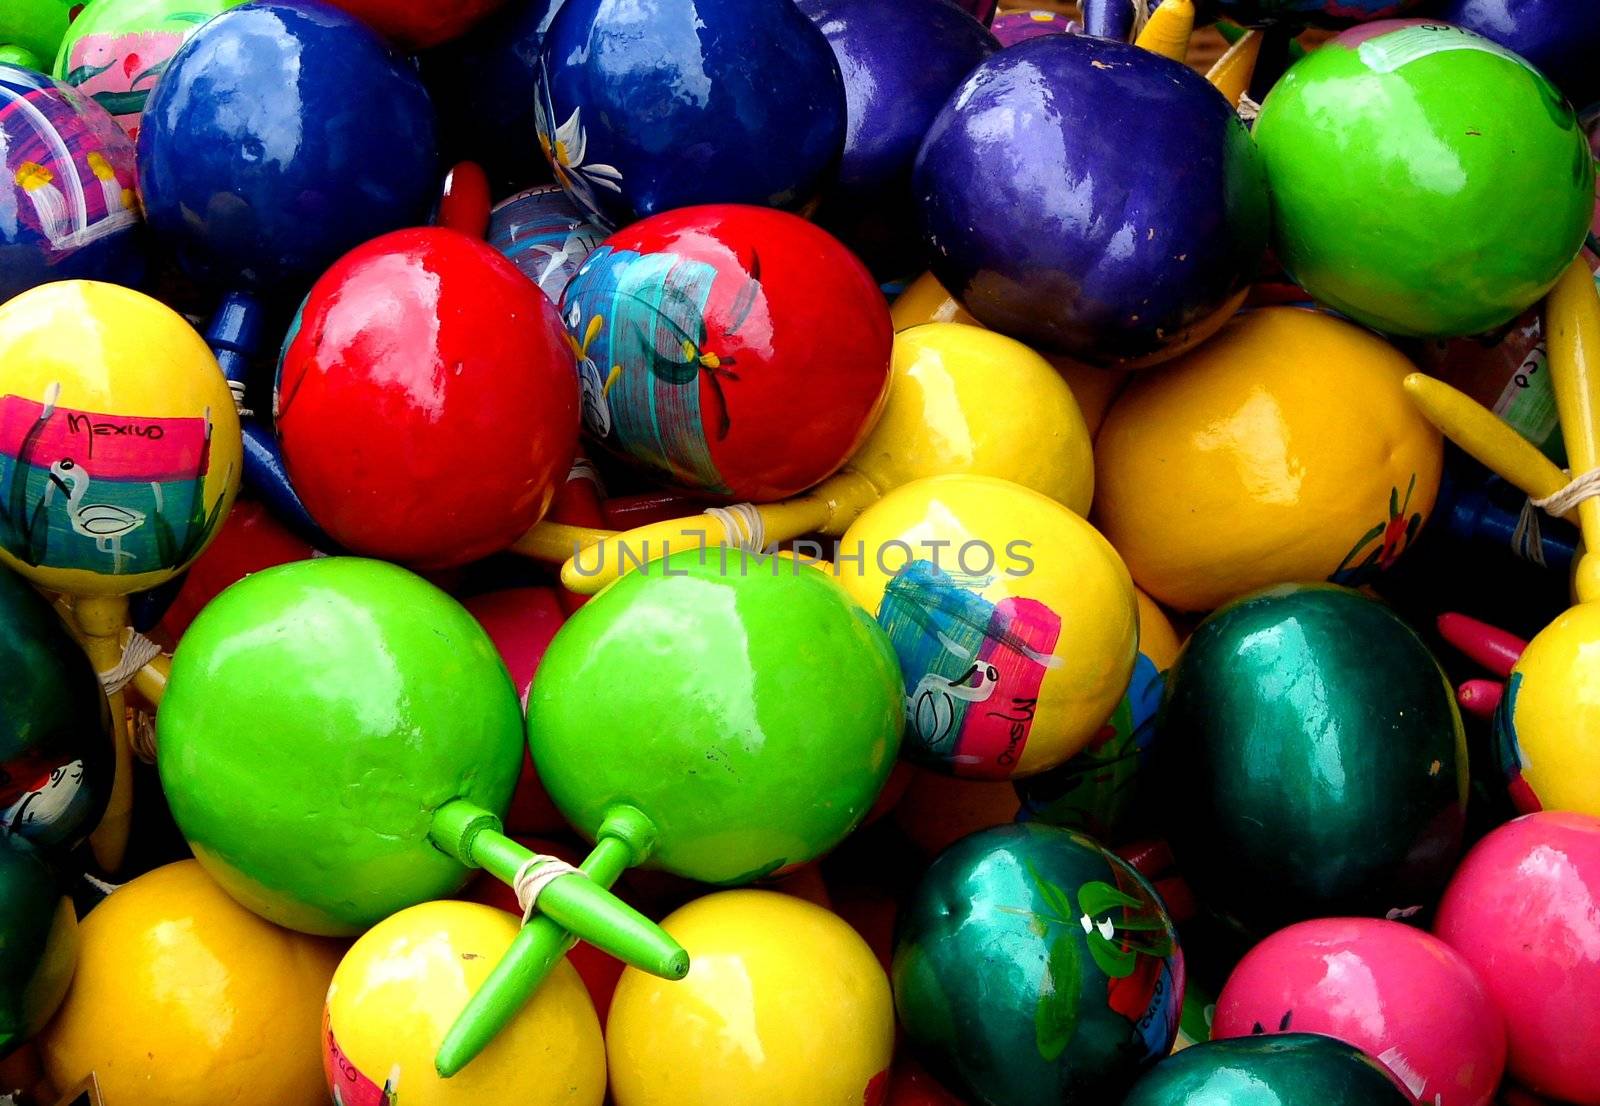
x,y
1093,199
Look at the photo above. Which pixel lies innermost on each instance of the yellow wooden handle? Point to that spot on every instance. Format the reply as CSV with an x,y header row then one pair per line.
x,y
827,509
1482,434
1169,29
555,542
1572,329
1232,72
100,622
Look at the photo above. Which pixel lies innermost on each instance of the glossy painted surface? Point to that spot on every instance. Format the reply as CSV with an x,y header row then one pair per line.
x,y
116,50
1524,910
900,61
185,998
1019,26
1311,760
1290,445
418,24
318,714
542,232
66,184
402,984
338,149
752,713
1116,252
1398,994
39,939
1295,1069
35,28
1033,968
463,386
749,105
55,729
1547,729
1014,621
119,445
965,400
785,1005
729,349
1557,37
1485,179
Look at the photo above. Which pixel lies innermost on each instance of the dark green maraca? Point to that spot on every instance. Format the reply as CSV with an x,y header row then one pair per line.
x,y
56,759
1034,968
1284,1069
1311,760
338,741
38,944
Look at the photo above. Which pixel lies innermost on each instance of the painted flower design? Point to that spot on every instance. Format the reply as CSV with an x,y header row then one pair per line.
x,y
1380,547
566,148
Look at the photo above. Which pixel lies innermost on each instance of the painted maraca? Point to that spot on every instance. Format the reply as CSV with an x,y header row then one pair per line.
x,y
1014,621
1558,38
1422,1011
418,24
1013,27
1357,804
1477,112
1524,910
338,742
119,457
1179,199
56,755
68,178
542,232
467,393
1288,443
900,61
1032,967
38,943
960,400
116,50
786,1006
1292,1069
31,31
749,106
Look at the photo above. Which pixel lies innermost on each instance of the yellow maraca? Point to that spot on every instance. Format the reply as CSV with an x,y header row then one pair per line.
x,y
961,400
1280,451
1548,724
120,455
1015,622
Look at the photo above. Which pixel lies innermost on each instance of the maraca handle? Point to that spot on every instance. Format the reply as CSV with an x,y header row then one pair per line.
x,y
1117,19
1485,437
1232,72
557,542
1572,329
100,622
829,509
464,202
1169,30
1481,643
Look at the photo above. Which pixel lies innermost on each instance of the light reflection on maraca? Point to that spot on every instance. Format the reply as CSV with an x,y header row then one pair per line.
x,y
119,457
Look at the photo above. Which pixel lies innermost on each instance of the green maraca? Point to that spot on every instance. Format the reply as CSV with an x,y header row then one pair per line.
x,y
38,944
339,739
31,31
1284,1069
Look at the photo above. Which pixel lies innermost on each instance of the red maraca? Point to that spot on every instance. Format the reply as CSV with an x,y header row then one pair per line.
x,y
426,400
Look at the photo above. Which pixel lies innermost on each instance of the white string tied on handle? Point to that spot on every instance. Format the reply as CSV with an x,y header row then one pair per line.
x,y
139,652
236,387
742,527
534,875
1526,540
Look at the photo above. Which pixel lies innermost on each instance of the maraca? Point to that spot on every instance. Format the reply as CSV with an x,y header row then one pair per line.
x,y
38,943
183,997
900,61
1286,442
1422,1011
338,741
785,1006
1356,805
1013,27
467,391
960,400
68,185
116,50
542,232
1524,910
1034,968
56,755
1558,38
399,986
1291,1069
1476,113
119,457
749,105
418,24
1160,266
1014,621
31,31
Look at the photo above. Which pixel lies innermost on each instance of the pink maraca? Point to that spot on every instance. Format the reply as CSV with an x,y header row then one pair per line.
x,y
1398,994
1524,910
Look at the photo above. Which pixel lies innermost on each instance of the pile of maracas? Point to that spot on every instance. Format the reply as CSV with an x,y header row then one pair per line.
x,y
907,542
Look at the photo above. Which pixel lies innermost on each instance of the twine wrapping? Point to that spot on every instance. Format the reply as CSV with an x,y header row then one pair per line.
x,y
1526,540
743,528
534,875
139,652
